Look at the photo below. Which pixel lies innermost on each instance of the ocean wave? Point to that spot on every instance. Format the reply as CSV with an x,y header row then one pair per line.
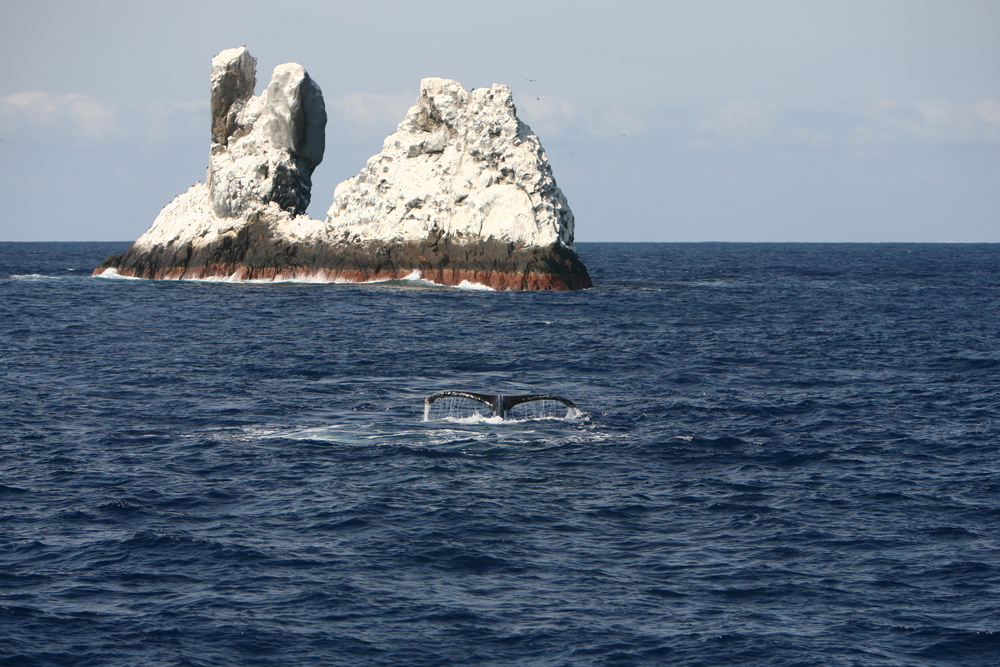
x,y
34,276
414,279
112,274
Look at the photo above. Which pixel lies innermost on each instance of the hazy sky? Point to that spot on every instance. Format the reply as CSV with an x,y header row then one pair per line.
x,y
663,121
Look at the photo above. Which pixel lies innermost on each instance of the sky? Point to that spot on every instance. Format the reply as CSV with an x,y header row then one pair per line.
x,y
778,121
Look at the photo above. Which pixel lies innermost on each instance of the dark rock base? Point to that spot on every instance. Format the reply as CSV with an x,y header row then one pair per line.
x,y
253,254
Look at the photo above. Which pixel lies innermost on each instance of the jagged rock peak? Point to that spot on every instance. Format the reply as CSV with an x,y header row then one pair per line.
x,y
265,148
460,164
234,75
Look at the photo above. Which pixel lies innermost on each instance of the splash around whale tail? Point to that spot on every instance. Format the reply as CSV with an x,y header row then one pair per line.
x,y
464,404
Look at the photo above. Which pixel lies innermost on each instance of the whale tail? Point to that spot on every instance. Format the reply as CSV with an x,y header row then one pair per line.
x,y
464,404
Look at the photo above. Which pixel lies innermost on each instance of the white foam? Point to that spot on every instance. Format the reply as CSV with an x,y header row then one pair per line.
x,y
311,279
415,277
474,419
572,414
465,284
114,275
234,278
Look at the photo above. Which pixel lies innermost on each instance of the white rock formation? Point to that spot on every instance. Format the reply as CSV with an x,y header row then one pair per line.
x,y
272,142
461,193
264,150
460,163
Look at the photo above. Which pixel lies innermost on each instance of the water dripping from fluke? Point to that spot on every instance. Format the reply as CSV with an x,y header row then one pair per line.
x,y
470,406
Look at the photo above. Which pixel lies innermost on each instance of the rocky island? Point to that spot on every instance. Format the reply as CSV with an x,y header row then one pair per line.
x,y
462,192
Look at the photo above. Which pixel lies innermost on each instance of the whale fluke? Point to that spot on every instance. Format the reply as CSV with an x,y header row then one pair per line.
x,y
499,404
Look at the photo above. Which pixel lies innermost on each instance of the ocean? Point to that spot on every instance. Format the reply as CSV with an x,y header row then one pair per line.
x,y
785,454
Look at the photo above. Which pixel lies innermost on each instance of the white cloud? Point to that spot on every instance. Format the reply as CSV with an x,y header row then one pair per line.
x,y
810,138
79,116
929,121
163,121
548,117
616,123
369,115
740,120
880,125
554,116
988,112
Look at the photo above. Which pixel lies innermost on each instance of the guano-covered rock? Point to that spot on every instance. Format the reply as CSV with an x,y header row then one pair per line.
x,y
461,192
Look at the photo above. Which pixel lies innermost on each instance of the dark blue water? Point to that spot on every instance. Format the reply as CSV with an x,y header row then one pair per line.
x,y
790,455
